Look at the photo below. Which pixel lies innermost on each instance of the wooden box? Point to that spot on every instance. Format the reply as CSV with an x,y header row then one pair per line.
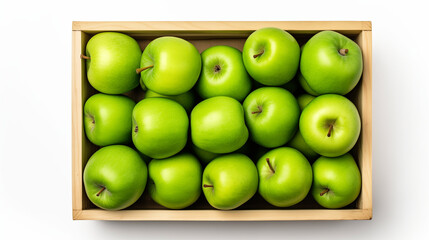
x,y
203,35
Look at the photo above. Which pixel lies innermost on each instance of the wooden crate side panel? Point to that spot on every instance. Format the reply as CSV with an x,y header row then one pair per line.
x,y
364,104
216,215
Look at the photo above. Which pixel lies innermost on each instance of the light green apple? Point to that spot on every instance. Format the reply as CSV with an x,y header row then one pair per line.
x,y
160,127
285,176
115,177
111,62
175,182
330,124
271,56
223,74
304,85
297,141
272,115
204,156
229,181
331,63
217,125
170,66
187,99
304,100
107,119
337,181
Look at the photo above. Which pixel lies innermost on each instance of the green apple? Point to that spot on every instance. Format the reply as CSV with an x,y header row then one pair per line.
x,y
223,74
271,56
160,127
204,156
331,63
229,181
330,125
299,144
175,182
170,66
107,119
115,177
217,125
285,176
111,62
337,181
304,100
304,85
272,115
187,99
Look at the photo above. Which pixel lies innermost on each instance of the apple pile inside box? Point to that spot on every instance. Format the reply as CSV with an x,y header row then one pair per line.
x,y
272,121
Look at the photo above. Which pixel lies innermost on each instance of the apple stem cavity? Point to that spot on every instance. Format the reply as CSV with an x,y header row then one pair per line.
x,y
207,185
343,51
330,130
101,190
217,68
259,54
269,165
326,190
139,70
259,110
84,57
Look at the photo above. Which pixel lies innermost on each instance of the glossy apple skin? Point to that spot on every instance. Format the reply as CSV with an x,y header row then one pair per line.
x,y
278,120
218,126
175,182
107,119
234,178
114,59
341,176
187,99
325,69
223,74
322,113
291,180
279,61
304,85
121,171
304,100
160,127
176,65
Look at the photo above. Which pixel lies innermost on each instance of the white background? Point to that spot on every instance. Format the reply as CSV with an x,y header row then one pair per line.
x,y
35,118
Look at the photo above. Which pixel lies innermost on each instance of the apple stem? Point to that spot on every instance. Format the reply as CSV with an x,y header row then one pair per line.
x,y
207,185
326,190
136,129
259,54
101,190
330,130
269,165
139,70
259,110
343,51
84,57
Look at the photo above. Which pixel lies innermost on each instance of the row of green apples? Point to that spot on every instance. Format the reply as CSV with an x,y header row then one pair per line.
x,y
217,125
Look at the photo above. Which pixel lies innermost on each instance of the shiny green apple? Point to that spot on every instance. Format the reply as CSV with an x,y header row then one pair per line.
x,y
160,127
223,74
271,56
170,65
337,181
272,115
175,182
331,63
111,62
107,119
330,124
285,176
229,181
218,126
114,177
